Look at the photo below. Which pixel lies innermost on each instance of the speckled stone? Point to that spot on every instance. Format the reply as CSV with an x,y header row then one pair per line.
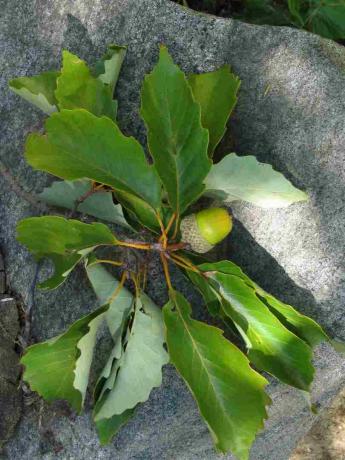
x,y
290,113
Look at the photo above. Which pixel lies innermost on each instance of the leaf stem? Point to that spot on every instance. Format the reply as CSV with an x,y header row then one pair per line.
x,y
186,262
134,244
106,261
166,271
119,287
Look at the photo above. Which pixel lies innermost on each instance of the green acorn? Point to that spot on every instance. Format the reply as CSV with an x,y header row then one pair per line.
x,y
206,228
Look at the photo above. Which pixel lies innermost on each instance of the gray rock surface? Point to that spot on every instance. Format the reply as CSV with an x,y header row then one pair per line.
x,y
290,113
10,393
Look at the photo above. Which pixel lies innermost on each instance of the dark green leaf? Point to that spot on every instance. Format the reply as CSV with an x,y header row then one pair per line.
x,y
79,145
211,298
230,394
304,327
59,368
108,427
177,141
38,90
77,88
63,241
143,212
271,346
216,92
67,194
327,18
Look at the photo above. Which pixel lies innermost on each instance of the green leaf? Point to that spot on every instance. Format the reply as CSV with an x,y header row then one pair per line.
x,y
77,88
301,325
59,368
304,327
272,347
79,145
38,90
244,178
143,212
176,139
327,18
230,394
265,12
108,427
67,194
211,298
140,366
295,11
63,241
104,285
107,69
216,92
135,365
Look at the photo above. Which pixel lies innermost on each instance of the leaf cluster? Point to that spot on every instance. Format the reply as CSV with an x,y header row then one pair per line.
x,y
106,175
323,17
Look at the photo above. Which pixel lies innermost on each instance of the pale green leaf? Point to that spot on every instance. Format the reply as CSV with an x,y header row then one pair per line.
x,y
134,365
38,90
79,145
244,178
216,92
67,194
177,141
59,368
63,241
77,88
140,367
271,346
230,394
107,69
104,285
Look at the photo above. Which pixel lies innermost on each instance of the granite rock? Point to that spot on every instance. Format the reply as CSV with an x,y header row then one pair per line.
x,y
290,113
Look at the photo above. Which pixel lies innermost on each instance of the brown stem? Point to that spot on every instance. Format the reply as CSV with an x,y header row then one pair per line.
x,y
166,271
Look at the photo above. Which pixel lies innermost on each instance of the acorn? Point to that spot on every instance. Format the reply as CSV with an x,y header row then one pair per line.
x,y
206,228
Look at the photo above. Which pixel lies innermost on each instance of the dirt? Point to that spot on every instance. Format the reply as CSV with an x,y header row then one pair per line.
x,y
326,439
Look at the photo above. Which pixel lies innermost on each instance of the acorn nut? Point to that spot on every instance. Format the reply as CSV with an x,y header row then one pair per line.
x,y
206,228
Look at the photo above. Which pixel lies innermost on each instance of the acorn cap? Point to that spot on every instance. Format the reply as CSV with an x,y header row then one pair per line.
x,y
206,228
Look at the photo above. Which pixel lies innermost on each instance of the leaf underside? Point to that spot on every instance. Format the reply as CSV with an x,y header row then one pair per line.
x,y
244,178
67,194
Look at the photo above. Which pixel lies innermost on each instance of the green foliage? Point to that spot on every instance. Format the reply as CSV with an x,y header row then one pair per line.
x,y
77,88
230,394
38,90
79,145
244,178
176,139
59,368
78,195
216,106
108,68
323,17
65,242
106,175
